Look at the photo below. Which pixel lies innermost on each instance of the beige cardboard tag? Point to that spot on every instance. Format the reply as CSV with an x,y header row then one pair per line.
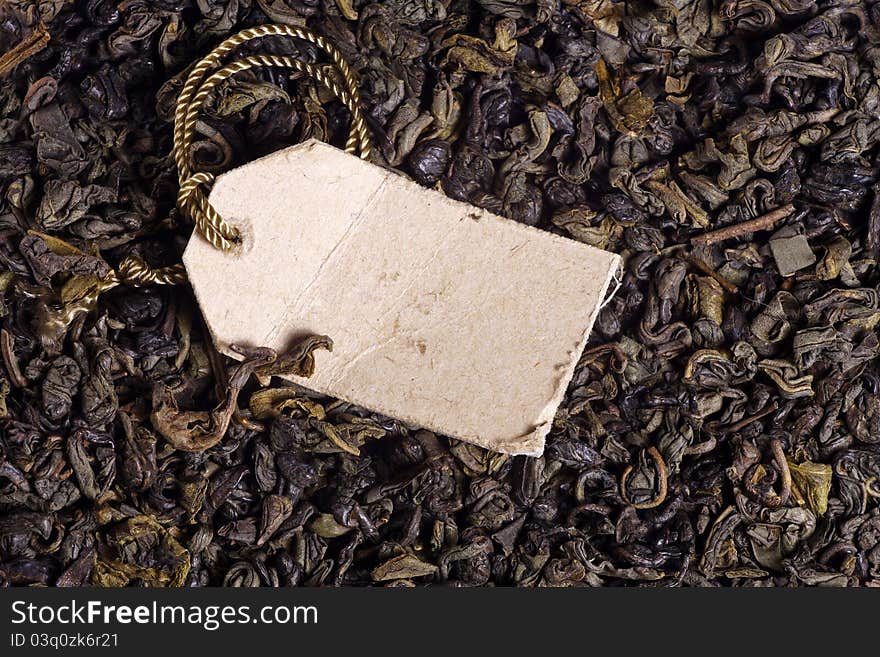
x,y
442,315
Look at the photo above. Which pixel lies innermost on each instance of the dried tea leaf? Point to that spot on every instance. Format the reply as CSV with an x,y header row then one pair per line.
x,y
271,402
347,9
814,482
566,90
325,526
196,431
48,256
4,393
631,112
604,14
276,509
475,54
140,550
239,95
404,566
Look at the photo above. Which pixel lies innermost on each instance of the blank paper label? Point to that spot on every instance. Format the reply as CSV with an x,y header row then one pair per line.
x,y
442,315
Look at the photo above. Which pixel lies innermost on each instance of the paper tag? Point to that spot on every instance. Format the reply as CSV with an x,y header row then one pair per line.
x,y
442,315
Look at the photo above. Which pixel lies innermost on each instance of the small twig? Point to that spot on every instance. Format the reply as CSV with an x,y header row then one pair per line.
x,y
797,494
27,47
736,426
763,222
785,473
706,269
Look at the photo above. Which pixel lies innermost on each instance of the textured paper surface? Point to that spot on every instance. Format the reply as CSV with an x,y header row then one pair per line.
x,y
443,315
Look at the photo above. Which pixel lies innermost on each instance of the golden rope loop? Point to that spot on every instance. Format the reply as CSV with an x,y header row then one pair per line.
x,y
338,78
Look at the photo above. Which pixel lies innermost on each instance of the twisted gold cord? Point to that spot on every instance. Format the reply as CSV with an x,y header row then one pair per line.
x,y
197,89
192,201
135,272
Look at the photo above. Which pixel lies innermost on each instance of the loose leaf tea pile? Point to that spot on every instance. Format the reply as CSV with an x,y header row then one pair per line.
x,y
722,428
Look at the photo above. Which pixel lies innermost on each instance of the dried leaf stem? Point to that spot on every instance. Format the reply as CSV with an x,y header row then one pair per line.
x,y
27,47
763,222
654,453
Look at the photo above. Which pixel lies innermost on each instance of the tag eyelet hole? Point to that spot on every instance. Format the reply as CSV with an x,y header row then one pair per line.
x,y
245,243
